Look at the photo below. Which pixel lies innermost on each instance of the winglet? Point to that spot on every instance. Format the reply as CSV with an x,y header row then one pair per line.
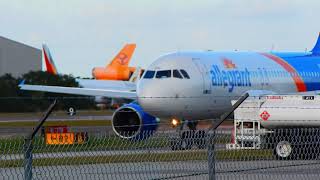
x,y
22,83
316,48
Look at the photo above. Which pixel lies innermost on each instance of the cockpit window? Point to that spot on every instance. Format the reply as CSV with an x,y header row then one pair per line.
x,y
163,74
176,74
185,74
149,75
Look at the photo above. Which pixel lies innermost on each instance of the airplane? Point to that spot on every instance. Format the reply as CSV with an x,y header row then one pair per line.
x,y
118,68
198,85
129,85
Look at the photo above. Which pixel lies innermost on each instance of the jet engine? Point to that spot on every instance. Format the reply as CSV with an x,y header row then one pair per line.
x,y
132,123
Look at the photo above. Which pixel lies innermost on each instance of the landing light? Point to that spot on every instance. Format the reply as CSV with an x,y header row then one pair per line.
x,y
175,122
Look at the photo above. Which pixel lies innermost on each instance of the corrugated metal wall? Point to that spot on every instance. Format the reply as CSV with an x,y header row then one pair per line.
x,y
17,58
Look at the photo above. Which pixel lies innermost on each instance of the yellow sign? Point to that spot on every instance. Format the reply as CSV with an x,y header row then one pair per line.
x,y
66,138
59,138
80,138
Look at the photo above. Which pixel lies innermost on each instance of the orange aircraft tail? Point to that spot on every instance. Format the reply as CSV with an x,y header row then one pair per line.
x,y
124,56
118,68
50,66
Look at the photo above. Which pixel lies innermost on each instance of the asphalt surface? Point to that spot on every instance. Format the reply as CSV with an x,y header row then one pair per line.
x,y
293,170
56,118
22,131
102,153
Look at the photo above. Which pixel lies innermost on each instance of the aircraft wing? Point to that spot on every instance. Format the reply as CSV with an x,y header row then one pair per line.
x,y
80,91
107,84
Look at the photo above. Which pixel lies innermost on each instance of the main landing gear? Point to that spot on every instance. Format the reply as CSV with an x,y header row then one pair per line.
x,y
186,139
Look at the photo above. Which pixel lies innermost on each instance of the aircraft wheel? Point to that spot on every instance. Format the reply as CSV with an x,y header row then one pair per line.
x,y
184,142
200,139
179,144
187,138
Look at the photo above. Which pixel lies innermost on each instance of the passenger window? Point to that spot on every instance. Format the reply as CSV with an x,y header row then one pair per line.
x,y
149,75
163,74
185,74
176,74
292,74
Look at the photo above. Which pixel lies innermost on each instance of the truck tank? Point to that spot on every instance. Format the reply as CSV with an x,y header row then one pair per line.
x,y
283,111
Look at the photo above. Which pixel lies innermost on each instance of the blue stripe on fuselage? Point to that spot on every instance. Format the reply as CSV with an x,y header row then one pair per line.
x,y
306,65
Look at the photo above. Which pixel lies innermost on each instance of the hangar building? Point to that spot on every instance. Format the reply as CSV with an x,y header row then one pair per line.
x,y
17,58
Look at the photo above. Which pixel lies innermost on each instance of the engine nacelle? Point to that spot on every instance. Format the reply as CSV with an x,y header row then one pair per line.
x,y
132,123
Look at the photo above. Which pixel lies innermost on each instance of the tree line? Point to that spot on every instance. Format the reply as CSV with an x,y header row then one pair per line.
x,y
12,99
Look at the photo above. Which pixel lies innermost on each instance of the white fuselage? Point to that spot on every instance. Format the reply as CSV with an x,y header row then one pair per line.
x,y
216,78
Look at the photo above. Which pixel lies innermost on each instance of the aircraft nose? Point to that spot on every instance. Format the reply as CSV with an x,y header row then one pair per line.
x,y
146,94
142,89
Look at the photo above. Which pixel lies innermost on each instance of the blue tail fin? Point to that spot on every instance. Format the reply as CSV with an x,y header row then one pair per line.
x,y
316,48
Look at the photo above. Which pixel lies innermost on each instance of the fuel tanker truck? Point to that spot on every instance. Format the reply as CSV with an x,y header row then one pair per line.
x,y
287,124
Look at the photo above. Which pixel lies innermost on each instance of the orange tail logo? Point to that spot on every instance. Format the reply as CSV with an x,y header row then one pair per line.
x,y
124,56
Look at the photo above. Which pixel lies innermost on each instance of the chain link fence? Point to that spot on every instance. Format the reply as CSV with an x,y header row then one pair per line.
x,y
284,154
83,145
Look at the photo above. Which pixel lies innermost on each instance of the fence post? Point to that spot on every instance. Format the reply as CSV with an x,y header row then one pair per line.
x,y
28,143
211,155
212,137
28,158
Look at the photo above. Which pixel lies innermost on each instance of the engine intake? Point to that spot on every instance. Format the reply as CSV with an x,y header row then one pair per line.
x,y
131,122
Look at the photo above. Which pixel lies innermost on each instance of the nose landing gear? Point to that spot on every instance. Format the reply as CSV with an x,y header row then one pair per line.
x,y
187,138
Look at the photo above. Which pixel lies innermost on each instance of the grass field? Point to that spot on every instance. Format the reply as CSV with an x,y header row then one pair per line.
x,y
199,155
104,142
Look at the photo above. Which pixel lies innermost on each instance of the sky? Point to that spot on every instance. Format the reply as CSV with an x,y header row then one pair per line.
x,y
83,34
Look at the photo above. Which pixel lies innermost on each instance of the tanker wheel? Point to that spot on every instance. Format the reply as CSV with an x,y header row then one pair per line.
x,y
284,150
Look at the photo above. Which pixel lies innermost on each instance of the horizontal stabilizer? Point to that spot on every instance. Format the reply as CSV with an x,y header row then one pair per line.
x,y
316,48
80,91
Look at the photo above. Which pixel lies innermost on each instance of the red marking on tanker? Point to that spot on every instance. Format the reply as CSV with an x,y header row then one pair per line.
x,y
265,115
274,97
301,87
